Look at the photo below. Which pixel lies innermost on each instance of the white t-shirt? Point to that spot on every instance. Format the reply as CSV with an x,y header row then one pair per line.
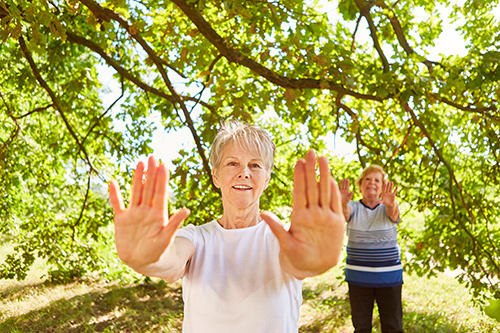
x,y
234,282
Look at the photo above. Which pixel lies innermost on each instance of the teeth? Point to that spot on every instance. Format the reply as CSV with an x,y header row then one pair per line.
x,y
241,187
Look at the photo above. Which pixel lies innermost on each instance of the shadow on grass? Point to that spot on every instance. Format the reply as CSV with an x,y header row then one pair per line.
x,y
157,307
17,290
326,309
333,315
154,307
336,315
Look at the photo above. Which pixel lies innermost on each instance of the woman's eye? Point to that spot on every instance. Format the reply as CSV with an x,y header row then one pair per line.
x,y
255,165
232,163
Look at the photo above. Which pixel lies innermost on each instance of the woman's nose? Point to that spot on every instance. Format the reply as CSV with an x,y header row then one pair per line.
x,y
244,173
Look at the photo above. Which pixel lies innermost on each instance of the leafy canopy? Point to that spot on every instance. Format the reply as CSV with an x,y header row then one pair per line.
x,y
286,65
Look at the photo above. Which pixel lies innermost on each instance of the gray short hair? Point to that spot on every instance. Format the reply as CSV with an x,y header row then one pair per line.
x,y
247,136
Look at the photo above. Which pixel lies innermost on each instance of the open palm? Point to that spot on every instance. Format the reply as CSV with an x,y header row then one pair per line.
x,y
314,241
143,230
389,194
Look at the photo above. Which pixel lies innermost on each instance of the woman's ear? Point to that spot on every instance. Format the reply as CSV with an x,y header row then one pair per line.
x,y
267,181
215,178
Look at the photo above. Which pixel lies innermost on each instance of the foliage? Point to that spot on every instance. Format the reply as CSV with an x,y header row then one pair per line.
x,y
433,123
493,309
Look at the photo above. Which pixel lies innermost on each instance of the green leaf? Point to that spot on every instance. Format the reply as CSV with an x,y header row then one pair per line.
x,y
493,309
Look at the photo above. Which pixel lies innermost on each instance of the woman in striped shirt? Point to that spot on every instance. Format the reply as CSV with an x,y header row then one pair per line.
x,y
373,266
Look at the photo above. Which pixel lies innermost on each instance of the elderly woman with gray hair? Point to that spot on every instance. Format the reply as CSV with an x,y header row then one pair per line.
x,y
238,273
373,264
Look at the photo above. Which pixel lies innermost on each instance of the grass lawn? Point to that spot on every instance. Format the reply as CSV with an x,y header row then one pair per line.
x,y
430,305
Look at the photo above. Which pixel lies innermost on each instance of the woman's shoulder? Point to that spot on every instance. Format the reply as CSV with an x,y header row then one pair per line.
x,y
189,230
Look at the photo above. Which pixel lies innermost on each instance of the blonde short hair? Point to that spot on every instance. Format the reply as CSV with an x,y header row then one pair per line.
x,y
246,136
372,168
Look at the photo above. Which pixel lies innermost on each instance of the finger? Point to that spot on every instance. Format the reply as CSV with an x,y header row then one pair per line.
x,y
336,197
388,187
171,227
299,199
176,219
311,183
276,227
350,195
160,195
342,184
149,187
395,190
115,197
136,191
324,182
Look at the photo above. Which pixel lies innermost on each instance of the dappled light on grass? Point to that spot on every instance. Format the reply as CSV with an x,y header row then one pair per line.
x,y
326,306
154,307
430,306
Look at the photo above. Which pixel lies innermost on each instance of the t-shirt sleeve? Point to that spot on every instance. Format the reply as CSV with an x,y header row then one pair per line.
x,y
351,204
187,232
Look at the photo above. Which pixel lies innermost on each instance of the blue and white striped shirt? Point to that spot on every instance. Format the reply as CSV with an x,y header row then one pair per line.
x,y
373,252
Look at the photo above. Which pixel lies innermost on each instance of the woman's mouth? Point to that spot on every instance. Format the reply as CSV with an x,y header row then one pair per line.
x,y
242,187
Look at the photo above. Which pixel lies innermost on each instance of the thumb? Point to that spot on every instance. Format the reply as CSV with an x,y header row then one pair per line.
x,y
176,219
115,197
167,233
174,222
275,225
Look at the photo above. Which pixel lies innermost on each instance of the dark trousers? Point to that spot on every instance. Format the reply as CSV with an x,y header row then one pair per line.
x,y
389,303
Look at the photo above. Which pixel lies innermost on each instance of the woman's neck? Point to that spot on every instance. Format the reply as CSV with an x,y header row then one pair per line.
x,y
240,219
371,202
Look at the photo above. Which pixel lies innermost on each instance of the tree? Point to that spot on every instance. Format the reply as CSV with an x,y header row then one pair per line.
x,y
433,123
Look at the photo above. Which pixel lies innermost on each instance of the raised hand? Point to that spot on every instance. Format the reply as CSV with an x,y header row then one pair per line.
x,y
314,240
143,230
389,200
346,198
345,192
389,194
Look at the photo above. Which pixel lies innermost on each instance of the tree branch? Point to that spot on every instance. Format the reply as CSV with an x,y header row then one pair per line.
x,y
358,21
210,68
3,148
82,210
235,56
55,101
42,108
405,139
108,15
400,35
453,180
113,63
359,138
482,111
364,8
98,120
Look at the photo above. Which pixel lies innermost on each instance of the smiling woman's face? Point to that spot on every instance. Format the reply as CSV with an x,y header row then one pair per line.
x,y
241,177
371,186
